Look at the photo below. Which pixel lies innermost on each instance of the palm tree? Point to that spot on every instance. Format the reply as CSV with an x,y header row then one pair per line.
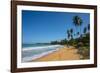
x,y
71,30
71,33
85,29
78,33
77,21
88,27
68,34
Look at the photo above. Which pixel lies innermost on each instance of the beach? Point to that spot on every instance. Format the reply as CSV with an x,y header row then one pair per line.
x,y
64,53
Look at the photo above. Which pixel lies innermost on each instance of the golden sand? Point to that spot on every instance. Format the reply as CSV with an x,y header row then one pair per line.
x,y
62,54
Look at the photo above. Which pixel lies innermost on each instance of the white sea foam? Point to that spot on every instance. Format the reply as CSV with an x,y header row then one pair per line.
x,y
33,48
27,59
36,56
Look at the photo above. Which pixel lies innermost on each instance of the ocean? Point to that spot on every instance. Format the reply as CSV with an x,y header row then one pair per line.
x,y
32,52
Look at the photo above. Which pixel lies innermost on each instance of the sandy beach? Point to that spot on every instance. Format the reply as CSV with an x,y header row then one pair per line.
x,y
62,54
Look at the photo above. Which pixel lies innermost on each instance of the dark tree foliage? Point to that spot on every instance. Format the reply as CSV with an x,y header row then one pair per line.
x,y
77,20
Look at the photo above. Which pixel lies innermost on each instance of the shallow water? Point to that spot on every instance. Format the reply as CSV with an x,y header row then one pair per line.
x,y
32,53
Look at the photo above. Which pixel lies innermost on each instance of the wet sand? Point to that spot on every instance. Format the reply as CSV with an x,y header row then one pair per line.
x,y
62,54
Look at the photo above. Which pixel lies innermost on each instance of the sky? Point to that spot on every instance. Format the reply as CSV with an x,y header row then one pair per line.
x,y
46,26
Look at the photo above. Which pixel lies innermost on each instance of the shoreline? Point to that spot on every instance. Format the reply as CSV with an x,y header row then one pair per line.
x,y
64,53
30,50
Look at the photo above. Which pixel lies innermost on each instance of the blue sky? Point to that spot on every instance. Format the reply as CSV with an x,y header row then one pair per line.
x,y
44,26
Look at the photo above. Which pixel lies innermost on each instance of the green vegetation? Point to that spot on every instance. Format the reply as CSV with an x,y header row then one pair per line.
x,y
83,39
79,39
81,42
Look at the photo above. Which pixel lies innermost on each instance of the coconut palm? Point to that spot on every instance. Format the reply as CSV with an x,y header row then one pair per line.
x,y
85,30
78,33
88,27
68,34
77,21
71,33
71,30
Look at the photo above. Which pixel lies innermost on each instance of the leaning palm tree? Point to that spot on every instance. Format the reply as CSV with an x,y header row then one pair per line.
x,y
77,21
